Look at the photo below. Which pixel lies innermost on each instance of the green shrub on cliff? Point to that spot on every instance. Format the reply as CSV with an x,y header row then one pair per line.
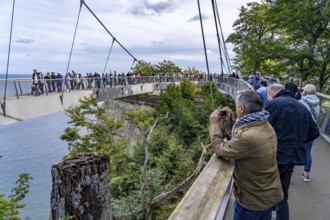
x,y
9,206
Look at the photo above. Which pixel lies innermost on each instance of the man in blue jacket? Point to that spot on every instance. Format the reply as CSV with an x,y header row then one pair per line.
x,y
294,126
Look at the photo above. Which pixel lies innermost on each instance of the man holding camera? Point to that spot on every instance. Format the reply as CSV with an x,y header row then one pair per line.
x,y
257,186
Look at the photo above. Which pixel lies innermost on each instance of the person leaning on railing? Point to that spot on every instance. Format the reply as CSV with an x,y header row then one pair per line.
x,y
257,185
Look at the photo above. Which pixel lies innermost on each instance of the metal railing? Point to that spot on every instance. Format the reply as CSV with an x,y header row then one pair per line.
x,y
25,86
323,120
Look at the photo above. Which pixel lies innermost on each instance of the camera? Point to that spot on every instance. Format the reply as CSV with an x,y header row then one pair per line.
x,y
223,112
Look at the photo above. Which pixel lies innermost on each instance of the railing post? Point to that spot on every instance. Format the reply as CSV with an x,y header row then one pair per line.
x,y
325,122
16,89
20,88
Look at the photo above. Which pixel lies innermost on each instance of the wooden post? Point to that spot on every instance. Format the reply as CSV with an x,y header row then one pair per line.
x,y
81,188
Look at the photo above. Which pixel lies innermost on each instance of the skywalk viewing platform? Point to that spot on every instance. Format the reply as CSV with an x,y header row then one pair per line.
x,y
210,197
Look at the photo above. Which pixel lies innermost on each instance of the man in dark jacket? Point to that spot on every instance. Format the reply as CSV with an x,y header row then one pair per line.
x,y
291,86
294,126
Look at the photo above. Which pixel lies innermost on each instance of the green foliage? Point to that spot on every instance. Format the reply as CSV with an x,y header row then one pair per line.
x,y
171,160
92,130
191,71
173,149
282,38
142,118
9,206
144,68
167,67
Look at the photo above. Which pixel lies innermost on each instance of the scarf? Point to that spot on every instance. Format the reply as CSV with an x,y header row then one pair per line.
x,y
255,116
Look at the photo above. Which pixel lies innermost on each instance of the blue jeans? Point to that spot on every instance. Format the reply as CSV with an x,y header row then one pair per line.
x,y
246,214
308,147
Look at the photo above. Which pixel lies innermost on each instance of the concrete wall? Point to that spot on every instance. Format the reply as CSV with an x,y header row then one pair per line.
x,y
34,106
118,92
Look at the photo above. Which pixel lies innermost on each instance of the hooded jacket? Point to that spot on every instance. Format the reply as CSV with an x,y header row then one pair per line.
x,y
312,103
294,126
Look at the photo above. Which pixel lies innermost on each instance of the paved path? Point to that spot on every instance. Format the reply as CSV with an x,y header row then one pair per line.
x,y
309,200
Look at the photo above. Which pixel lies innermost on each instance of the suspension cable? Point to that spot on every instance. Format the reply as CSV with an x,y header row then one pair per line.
x,y
3,104
83,2
206,59
106,63
133,63
223,40
218,37
74,38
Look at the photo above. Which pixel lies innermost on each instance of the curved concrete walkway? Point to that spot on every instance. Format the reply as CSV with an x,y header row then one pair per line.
x,y
308,200
311,200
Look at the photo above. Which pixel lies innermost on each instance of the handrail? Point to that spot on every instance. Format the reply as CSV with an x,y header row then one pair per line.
x,y
323,119
203,199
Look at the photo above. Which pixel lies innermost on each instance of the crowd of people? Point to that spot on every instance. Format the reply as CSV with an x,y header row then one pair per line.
x,y
56,82
273,133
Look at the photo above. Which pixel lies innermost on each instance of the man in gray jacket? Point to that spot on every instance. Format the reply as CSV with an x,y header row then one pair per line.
x,y
257,186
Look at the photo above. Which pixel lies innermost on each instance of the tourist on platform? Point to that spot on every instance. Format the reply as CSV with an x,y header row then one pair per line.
x,y
271,80
256,82
294,126
300,90
103,80
82,82
291,86
47,78
41,82
263,91
77,81
107,79
68,82
59,81
72,80
89,78
280,80
35,90
312,103
53,81
257,186
115,80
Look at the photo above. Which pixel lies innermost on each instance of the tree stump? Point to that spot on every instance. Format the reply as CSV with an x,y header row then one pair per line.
x,y
81,188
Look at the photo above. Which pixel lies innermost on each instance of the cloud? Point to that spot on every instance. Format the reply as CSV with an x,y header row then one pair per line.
x,y
196,17
157,42
209,52
24,41
152,7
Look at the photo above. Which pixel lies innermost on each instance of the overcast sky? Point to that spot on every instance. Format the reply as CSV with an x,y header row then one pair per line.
x,y
152,30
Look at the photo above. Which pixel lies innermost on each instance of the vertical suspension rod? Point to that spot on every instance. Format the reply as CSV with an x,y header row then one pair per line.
x,y
218,37
3,104
106,63
205,52
74,38
223,40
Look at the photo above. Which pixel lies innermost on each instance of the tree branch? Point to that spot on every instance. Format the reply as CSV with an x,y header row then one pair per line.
x,y
146,140
198,169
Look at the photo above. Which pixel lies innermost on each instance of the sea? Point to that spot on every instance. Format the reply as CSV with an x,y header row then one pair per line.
x,y
31,146
23,84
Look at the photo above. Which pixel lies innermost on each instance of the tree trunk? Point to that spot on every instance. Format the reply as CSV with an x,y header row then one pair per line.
x,y
81,188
